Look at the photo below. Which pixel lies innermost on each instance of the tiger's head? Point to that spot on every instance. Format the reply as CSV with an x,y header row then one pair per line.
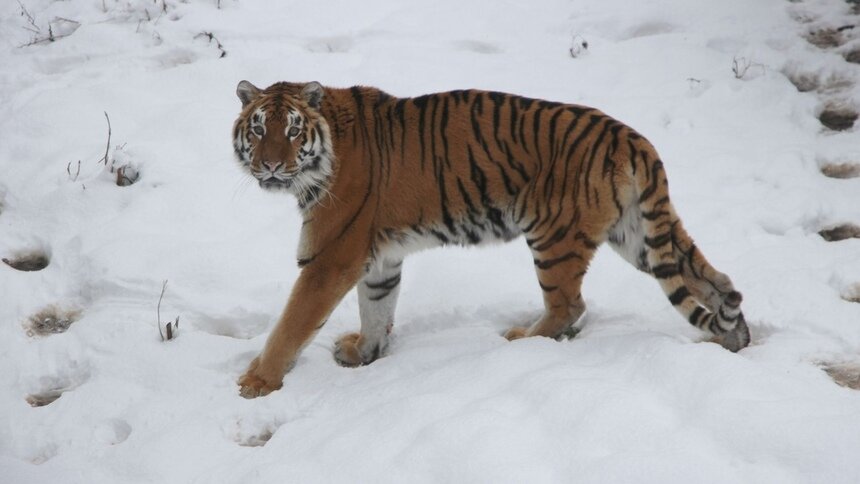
x,y
283,140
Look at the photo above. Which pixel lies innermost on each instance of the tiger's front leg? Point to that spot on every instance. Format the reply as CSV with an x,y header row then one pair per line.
x,y
377,299
319,288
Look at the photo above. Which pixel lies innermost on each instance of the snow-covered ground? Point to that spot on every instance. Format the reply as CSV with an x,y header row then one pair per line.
x,y
637,396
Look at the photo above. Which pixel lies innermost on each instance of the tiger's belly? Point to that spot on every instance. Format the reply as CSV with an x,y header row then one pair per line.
x,y
395,244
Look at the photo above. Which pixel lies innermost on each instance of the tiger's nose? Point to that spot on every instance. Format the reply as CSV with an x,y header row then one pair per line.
x,y
272,165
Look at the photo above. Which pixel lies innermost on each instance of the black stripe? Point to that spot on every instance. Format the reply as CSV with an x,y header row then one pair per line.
x,y
553,122
439,235
380,296
443,125
512,108
549,263
608,161
654,214
726,318
679,295
665,271
713,326
421,104
582,237
536,130
518,167
632,159
547,288
694,316
401,118
593,120
506,180
443,201
591,155
658,241
389,283
472,211
473,237
655,178
554,239
498,99
479,178
357,212
433,157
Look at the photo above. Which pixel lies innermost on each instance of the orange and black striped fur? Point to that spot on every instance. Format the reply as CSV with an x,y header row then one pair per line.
x,y
378,177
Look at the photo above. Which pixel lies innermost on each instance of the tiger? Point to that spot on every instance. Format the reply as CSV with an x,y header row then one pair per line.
x,y
378,177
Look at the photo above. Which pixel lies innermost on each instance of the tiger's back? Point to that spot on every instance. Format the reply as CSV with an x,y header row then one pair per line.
x,y
468,167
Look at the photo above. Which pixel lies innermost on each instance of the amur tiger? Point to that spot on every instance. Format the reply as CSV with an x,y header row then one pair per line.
x,y
378,177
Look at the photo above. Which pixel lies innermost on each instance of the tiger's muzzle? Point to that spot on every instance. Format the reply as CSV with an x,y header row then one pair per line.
x,y
272,183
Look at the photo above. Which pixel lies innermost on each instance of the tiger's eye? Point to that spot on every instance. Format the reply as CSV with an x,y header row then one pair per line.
x,y
294,131
258,130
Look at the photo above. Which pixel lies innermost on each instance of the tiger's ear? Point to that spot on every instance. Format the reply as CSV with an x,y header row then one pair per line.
x,y
312,93
246,92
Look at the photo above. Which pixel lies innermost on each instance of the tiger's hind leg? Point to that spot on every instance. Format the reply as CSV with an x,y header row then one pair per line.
x,y
561,263
377,299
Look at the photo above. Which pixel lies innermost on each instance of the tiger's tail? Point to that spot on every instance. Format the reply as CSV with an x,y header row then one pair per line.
x,y
651,236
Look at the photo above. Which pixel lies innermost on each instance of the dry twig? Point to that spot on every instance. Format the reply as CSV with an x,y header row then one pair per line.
x,y
212,38
171,327
77,171
107,146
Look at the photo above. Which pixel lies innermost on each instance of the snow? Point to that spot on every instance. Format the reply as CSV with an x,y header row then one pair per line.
x,y
636,396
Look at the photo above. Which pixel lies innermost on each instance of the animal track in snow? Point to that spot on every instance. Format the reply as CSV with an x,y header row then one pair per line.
x,y
253,431
257,440
331,45
829,37
43,455
648,29
852,293
841,170
238,323
51,320
840,232
844,374
50,395
112,432
478,46
46,397
838,117
28,261
53,387
818,81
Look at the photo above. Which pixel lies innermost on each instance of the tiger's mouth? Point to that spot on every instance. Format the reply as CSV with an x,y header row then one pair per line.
x,y
273,183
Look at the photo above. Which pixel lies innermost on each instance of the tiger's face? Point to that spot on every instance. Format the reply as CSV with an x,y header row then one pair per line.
x,y
282,139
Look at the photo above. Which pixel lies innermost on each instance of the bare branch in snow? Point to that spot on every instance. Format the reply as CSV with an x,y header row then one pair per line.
x,y
171,327
64,28
107,146
212,38
77,171
741,66
30,19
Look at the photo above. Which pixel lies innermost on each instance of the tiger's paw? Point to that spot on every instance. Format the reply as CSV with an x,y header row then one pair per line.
x,y
253,384
516,333
347,351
